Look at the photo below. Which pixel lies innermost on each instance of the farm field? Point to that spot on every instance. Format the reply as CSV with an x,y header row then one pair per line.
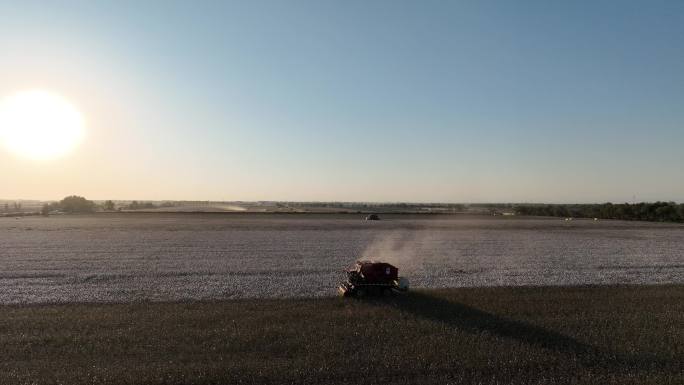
x,y
132,257
512,335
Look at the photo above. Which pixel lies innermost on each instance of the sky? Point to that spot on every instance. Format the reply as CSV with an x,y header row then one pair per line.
x,y
418,101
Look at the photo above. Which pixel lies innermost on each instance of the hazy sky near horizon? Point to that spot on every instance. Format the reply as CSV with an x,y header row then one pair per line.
x,y
450,101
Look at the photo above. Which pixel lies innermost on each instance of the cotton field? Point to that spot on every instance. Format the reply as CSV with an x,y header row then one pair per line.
x,y
170,257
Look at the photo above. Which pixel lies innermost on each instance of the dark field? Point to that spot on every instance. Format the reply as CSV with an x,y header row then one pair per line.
x,y
546,335
179,257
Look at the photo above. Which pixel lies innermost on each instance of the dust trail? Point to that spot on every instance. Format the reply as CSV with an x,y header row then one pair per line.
x,y
406,250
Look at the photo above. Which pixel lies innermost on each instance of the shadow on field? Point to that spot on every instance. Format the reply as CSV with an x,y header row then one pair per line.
x,y
470,319
473,320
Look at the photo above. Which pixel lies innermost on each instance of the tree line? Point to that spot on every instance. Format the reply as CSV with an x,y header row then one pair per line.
x,y
654,212
75,204
72,204
645,211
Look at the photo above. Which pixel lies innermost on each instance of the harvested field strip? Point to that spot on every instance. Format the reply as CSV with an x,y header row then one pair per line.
x,y
570,335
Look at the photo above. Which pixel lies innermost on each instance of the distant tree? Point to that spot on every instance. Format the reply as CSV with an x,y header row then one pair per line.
x,y
76,204
135,205
560,211
6,207
666,212
108,206
45,210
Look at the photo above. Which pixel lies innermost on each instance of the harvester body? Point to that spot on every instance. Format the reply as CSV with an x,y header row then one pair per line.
x,y
372,278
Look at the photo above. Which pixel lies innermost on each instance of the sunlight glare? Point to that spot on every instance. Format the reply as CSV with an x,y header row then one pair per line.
x,y
39,125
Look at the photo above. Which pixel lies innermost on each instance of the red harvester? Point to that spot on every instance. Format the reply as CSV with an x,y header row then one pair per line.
x,y
372,278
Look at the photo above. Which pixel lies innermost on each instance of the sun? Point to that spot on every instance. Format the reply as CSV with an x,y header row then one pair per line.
x,y
40,125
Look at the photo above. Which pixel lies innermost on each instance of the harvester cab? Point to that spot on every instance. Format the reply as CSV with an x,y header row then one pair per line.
x,y
372,278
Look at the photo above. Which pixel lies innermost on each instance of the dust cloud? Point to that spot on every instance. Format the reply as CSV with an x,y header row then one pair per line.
x,y
407,250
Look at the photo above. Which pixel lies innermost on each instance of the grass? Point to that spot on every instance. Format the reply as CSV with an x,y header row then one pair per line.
x,y
546,335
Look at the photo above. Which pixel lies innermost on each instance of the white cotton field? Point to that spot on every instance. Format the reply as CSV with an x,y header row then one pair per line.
x,y
167,256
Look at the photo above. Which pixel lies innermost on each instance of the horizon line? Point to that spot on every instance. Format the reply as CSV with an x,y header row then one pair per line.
x,y
354,202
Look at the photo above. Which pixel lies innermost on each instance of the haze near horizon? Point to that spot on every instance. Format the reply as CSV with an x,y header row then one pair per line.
x,y
342,101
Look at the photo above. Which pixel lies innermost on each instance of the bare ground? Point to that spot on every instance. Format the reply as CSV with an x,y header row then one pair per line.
x,y
543,335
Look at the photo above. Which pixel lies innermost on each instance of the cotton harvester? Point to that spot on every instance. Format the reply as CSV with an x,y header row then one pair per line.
x,y
372,278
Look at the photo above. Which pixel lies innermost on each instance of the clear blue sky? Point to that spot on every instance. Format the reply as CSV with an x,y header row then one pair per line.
x,y
545,101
